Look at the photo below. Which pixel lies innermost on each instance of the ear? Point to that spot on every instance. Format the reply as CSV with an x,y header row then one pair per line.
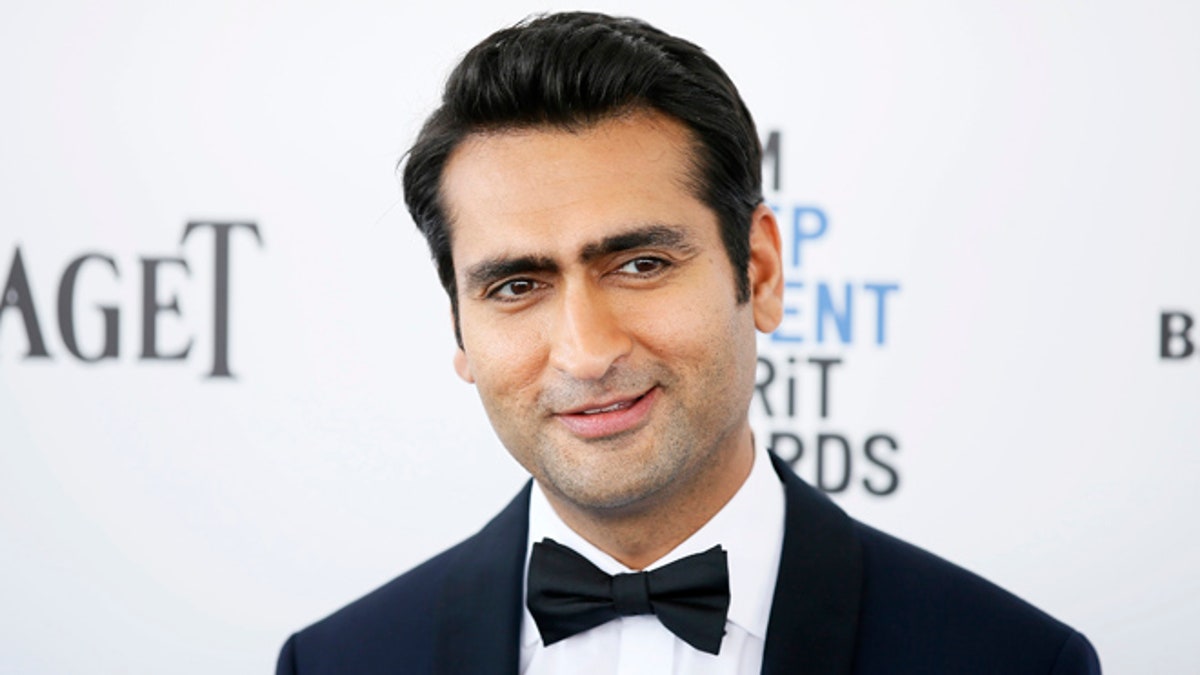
x,y
766,269
462,366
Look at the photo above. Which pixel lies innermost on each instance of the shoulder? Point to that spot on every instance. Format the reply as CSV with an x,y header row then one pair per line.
x,y
922,613
900,609
392,620
400,624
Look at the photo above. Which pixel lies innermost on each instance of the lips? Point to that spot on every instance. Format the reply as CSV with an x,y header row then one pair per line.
x,y
608,418
619,405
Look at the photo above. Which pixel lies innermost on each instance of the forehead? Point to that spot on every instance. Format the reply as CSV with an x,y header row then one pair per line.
x,y
551,190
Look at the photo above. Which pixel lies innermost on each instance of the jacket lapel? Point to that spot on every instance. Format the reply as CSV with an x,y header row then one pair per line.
x,y
814,613
479,611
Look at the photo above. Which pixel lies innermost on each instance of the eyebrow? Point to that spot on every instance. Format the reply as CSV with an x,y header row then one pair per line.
x,y
648,236
485,273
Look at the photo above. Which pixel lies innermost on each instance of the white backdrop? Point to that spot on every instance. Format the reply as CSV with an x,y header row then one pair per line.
x,y
1024,174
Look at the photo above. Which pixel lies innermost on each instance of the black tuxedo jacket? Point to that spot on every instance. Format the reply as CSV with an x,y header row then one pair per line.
x,y
849,599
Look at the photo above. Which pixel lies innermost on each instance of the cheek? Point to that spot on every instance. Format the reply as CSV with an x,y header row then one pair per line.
x,y
502,359
698,320
694,343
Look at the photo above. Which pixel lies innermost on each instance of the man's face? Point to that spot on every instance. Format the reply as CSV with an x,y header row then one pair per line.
x,y
598,309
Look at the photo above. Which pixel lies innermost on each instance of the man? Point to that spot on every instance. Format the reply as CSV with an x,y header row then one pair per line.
x,y
590,189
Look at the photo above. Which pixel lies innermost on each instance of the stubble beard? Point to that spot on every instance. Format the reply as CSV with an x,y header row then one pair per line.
x,y
626,476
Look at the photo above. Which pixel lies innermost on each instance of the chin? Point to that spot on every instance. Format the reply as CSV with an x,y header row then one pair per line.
x,y
612,496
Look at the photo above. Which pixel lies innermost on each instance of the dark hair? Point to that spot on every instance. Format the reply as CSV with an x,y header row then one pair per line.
x,y
578,68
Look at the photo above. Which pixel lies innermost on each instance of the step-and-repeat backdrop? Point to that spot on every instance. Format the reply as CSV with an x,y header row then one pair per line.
x,y
226,398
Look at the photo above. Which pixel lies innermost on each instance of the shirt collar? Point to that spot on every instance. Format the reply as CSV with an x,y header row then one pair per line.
x,y
749,527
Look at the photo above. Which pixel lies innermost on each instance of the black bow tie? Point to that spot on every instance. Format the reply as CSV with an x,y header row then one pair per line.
x,y
568,595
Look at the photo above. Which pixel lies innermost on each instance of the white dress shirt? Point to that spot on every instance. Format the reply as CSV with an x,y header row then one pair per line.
x,y
749,528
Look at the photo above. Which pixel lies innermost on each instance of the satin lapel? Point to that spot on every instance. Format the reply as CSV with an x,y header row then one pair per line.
x,y
479,613
814,614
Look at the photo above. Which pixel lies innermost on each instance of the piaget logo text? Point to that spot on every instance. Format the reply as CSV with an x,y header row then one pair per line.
x,y
19,311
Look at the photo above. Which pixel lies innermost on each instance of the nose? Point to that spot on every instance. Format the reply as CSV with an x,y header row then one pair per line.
x,y
589,336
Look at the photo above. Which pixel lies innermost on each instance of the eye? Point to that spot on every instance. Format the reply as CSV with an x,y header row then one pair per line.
x,y
514,289
646,266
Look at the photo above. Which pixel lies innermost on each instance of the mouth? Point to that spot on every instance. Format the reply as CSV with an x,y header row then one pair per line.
x,y
608,418
612,407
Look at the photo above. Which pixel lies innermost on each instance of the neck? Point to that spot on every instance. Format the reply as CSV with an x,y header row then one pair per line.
x,y
638,535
